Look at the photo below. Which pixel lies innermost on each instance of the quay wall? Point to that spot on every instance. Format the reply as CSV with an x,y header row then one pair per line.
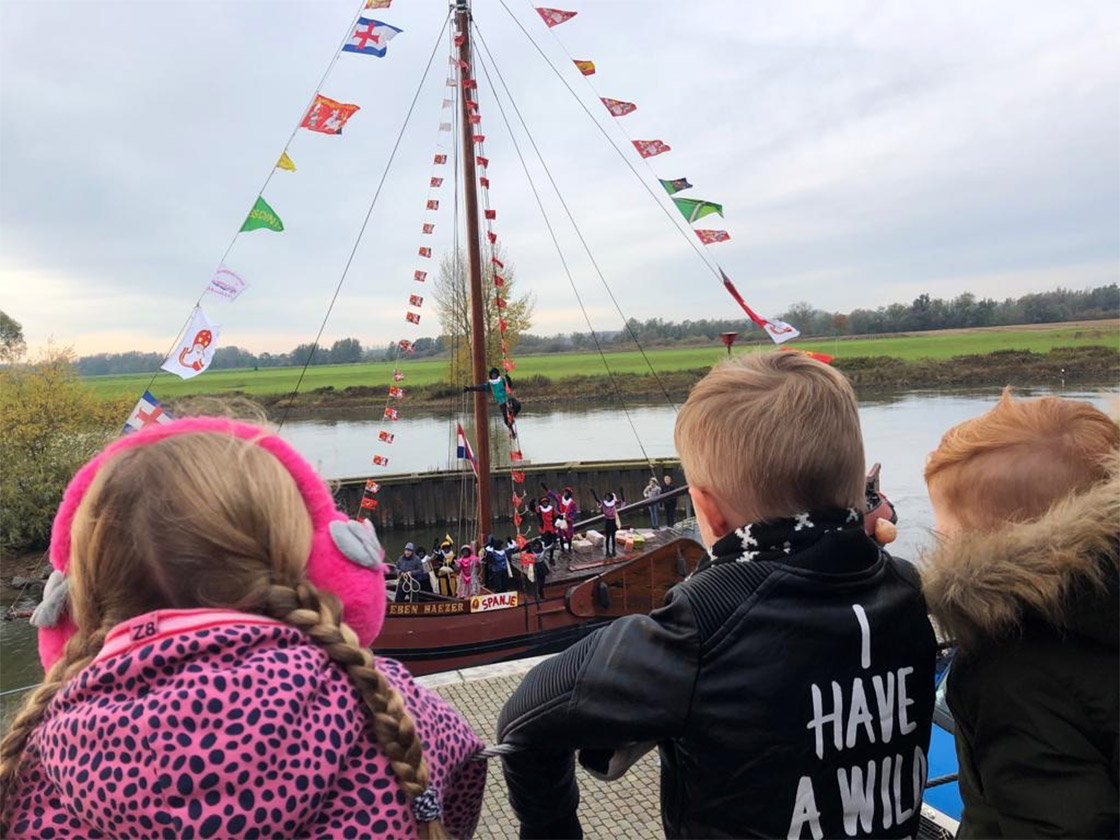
x,y
448,496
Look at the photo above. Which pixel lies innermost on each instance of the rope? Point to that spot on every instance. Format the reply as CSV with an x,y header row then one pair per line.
x,y
571,218
365,223
560,254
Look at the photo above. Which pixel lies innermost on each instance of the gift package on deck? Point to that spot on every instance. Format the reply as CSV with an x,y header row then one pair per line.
x,y
582,546
595,537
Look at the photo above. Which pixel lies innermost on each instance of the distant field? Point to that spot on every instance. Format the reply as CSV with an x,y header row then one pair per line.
x,y
931,345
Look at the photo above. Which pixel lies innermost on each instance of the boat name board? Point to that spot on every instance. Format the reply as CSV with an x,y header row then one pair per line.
x,y
430,608
493,601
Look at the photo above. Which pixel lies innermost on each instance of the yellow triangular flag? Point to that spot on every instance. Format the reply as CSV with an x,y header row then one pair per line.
x,y
285,162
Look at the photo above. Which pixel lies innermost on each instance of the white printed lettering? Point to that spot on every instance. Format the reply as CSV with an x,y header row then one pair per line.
x,y
865,637
805,810
905,725
884,697
833,717
859,714
858,798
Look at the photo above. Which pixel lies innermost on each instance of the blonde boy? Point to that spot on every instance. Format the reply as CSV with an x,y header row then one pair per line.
x,y
1027,502
791,667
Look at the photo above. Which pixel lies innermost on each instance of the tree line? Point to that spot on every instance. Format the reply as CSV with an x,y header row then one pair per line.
x,y
923,313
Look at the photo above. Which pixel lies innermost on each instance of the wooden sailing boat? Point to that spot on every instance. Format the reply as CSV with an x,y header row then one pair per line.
x,y
439,633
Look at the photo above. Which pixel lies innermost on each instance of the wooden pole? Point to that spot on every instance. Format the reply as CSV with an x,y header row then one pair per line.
x,y
474,255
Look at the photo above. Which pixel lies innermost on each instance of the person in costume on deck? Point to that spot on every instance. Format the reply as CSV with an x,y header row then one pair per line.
x,y
652,491
501,387
469,583
205,559
541,567
446,574
1026,498
497,559
754,680
608,507
569,510
669,506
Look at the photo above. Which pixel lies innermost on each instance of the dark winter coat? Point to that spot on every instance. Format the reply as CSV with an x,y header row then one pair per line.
x,y
738,678
1034,686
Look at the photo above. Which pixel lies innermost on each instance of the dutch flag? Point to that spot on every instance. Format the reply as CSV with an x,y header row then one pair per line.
x,y
370,37
464,450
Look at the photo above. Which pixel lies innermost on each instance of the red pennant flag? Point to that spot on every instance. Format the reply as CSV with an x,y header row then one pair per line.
x,y
521,541
412,317
472,106
650,148
398,376
405,346
515,455
617,107
485,183
369,504
587,68
380,461
497,262
466,68
470,84
392,414
415,300
327,116
426,253
474,119
499,281
505,347
508,365
491,214
820,357
460,39
710,237
433,204
518,477
500,302
517,519
493,237
429,227
435,182
419,276
778,331
503,325
386,437
483,162
372,486
395,392
479,138
440,160
554,17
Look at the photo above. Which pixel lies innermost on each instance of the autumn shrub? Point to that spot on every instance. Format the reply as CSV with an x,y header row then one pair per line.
x,y
50,424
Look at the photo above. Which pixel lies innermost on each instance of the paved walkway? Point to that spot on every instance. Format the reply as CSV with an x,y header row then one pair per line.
x,y
627,808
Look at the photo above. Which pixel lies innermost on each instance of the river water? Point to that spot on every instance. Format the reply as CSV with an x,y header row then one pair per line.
x,y
899,430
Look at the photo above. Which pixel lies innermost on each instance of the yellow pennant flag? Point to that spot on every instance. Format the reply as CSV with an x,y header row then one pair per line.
x,y
285,162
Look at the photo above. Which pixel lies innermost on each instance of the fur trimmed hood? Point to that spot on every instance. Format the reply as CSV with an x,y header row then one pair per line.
x,y
1060,568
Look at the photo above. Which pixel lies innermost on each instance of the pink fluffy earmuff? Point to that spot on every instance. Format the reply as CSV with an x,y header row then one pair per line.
x,y
345,556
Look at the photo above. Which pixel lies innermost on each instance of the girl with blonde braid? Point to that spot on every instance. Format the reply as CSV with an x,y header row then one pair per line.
x,y
206,635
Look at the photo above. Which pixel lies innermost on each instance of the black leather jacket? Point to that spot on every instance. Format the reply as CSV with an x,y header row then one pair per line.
x,y
737,678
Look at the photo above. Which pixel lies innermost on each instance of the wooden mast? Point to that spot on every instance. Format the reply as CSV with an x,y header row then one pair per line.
x,y
474,254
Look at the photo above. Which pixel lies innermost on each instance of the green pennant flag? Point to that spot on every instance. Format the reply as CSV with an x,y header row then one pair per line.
x,y
262,216
676,185
694,209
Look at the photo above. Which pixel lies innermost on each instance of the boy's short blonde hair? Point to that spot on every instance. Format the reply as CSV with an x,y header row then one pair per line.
x,y
1012,463
773,434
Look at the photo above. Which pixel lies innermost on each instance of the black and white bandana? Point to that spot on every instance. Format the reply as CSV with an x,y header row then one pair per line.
x,y
778,538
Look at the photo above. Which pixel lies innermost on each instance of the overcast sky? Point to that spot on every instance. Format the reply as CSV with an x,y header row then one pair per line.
x,y
864,152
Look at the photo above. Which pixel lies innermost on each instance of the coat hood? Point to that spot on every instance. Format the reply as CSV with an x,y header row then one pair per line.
x,y
1060,569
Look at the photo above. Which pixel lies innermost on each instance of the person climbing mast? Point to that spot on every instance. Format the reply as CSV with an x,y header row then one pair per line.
x,y
502,389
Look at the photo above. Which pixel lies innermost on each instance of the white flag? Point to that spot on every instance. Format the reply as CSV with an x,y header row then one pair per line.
x,y
780,331
196,347
226,285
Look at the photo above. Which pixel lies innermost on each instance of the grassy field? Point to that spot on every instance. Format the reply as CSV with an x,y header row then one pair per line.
x,y
933,345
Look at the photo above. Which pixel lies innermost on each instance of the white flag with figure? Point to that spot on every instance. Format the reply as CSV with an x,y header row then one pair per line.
x,y
226,285
780,331
195,350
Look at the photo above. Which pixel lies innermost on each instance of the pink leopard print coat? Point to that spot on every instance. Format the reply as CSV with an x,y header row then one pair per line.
x,y
197,724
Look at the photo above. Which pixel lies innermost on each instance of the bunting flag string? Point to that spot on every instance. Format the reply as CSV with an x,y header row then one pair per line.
x,y
695,209
779,331
148,412
378,4
676,185
650,148
554,17
371,37
262,216
587,68
285,162
386,437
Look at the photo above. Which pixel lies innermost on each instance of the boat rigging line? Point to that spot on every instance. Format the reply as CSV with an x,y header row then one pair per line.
x,y
560,253
365,223
622,154
567,210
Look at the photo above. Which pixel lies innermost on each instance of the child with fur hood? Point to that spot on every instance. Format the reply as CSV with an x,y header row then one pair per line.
x,y
1027,502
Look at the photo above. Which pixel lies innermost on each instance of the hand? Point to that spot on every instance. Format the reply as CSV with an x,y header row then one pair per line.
x,y
466,389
